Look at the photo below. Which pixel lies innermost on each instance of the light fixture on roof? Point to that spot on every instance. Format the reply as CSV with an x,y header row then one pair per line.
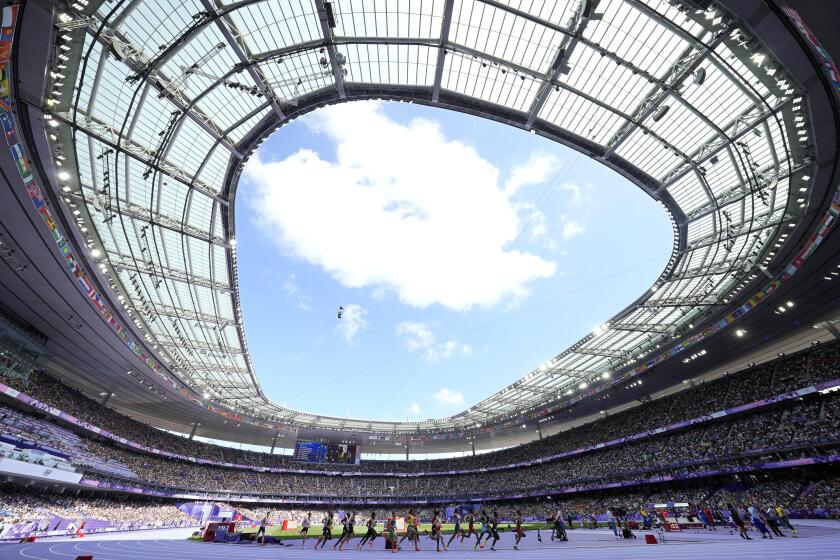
x,y
699,76
661,112
740,333
789,303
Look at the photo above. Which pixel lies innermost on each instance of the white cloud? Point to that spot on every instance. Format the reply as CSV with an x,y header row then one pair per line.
x,y
403,209
352,322
413,410
418,336
292,290
448,397
571,228
576,190
538,169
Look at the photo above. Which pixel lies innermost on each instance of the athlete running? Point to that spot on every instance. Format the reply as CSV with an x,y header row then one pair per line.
x,y
326,532
517,519
470,518
263,525
485,530
458,530
304,527
391,527
494,529
347,532
437,535
371,533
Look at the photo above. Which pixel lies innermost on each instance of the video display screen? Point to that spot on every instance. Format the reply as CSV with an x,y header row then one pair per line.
x,y
317,452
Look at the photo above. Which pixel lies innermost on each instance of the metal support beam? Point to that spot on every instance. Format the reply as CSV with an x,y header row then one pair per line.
x,y
641,327
159,83
145,215
682,69
196,345
558,65
326,31
832,328
192,315
195,426
225,25
125,262
601,352
109,136
444,38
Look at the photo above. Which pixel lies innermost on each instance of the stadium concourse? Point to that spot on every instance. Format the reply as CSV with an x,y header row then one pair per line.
x,y
701,420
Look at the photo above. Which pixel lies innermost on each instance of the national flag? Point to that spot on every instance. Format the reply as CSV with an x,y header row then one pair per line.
x,y
22,163
10,15
9,128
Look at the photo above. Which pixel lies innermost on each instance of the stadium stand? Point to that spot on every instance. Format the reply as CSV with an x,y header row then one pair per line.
x,y
785,430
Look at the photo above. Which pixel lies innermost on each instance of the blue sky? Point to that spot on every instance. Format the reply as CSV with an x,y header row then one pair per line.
x,y
464,252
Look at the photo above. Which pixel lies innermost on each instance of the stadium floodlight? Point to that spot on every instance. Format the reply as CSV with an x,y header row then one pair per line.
x,y
789,303
740,333
661,112
63,175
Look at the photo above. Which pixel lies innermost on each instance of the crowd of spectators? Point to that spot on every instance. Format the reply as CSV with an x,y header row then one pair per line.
x,y
657,502
809,426
31,439
722,444
48,511
780,376
796,428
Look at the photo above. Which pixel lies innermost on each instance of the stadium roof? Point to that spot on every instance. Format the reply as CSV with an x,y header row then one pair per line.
x,y
156,107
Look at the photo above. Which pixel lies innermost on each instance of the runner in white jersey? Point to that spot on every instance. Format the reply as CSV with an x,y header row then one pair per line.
x,y
304,527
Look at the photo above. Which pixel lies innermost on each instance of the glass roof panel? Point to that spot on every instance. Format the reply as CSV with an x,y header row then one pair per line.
x,y
299,74
489,82
157,22
648,153
605,80
581,116
503,35
275,24
411,65
636,38
392,18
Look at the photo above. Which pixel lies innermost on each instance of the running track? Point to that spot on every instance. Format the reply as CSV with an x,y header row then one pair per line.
x,y
816,543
